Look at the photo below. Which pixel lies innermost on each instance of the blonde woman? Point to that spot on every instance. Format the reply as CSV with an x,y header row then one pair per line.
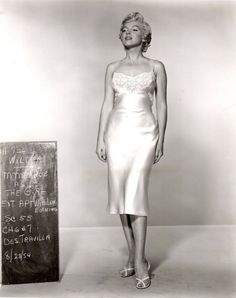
x,y
131,137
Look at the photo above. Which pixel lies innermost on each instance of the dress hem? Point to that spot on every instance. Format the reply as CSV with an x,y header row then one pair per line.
x,y
131,213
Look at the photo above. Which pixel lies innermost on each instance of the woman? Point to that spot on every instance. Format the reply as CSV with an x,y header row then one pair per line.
x,y
130,137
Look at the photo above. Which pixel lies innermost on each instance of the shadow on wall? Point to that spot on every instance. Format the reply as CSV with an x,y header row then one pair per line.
x,y
180,185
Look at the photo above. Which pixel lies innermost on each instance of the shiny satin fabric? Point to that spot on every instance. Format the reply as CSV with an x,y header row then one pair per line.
x,y
130,138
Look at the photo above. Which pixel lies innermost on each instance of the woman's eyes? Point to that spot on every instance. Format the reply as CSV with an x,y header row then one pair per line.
x,y
134,29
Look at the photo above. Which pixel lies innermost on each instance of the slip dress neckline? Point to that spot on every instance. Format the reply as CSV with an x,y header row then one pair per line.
x,y
135,76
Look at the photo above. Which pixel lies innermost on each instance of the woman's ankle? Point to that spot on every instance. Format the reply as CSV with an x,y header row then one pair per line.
x,y
140,260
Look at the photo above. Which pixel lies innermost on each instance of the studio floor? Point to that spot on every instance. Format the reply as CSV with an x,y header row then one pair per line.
x,y
186,261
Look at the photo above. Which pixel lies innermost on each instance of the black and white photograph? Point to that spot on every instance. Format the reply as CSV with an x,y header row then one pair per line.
x,y
117,148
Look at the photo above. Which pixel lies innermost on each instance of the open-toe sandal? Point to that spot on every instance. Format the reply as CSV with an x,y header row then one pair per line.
x,y
126,272
144,282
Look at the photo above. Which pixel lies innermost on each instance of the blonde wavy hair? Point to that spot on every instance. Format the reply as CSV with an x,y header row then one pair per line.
x,y
136,16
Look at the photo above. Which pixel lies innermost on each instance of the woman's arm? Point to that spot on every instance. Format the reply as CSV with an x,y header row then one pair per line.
x,y
107,106
161,107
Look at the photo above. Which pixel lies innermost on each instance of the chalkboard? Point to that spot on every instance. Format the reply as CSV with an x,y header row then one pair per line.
x,y
29,212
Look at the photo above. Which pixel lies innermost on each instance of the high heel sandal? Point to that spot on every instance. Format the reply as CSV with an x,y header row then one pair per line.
x,y
144,282
126,272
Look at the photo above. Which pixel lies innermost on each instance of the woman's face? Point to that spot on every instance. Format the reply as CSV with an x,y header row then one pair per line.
x,y
131,34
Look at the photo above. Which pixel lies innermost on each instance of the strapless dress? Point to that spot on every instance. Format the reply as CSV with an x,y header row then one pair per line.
x,y
130,138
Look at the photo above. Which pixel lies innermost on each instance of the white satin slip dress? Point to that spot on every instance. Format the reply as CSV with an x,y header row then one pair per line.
x,y
130,137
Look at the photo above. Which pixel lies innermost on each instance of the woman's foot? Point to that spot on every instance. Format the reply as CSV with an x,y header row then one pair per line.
x,y
143,283
142,274
128,269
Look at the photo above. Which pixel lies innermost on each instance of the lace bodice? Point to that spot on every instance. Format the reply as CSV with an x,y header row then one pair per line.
x,y
143,82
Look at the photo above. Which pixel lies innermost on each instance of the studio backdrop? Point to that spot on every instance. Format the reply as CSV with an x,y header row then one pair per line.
x,y
53,56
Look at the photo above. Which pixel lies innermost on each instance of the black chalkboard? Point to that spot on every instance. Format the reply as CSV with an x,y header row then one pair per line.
x,y
29,212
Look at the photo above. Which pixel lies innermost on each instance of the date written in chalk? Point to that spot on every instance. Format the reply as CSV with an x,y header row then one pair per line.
x,y
11,255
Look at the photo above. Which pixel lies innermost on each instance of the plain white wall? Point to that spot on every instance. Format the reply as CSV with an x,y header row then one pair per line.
x,y
53,57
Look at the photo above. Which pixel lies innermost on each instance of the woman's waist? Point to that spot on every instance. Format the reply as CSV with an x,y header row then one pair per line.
x,y
121,116
133,112
132,107
133,102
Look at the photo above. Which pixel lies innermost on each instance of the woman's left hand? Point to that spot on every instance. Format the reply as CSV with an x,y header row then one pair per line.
x,y
158,153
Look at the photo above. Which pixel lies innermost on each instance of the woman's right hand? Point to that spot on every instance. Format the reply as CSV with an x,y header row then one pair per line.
x,y
101,151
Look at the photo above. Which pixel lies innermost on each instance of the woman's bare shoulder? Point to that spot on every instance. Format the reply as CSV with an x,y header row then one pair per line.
x,y
158,65
113,65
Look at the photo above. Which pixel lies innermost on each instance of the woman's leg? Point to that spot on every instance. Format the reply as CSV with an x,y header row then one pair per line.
x,y
127,228
139,227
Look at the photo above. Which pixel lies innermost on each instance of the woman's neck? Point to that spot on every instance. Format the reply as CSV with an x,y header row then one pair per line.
x,y
133,56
